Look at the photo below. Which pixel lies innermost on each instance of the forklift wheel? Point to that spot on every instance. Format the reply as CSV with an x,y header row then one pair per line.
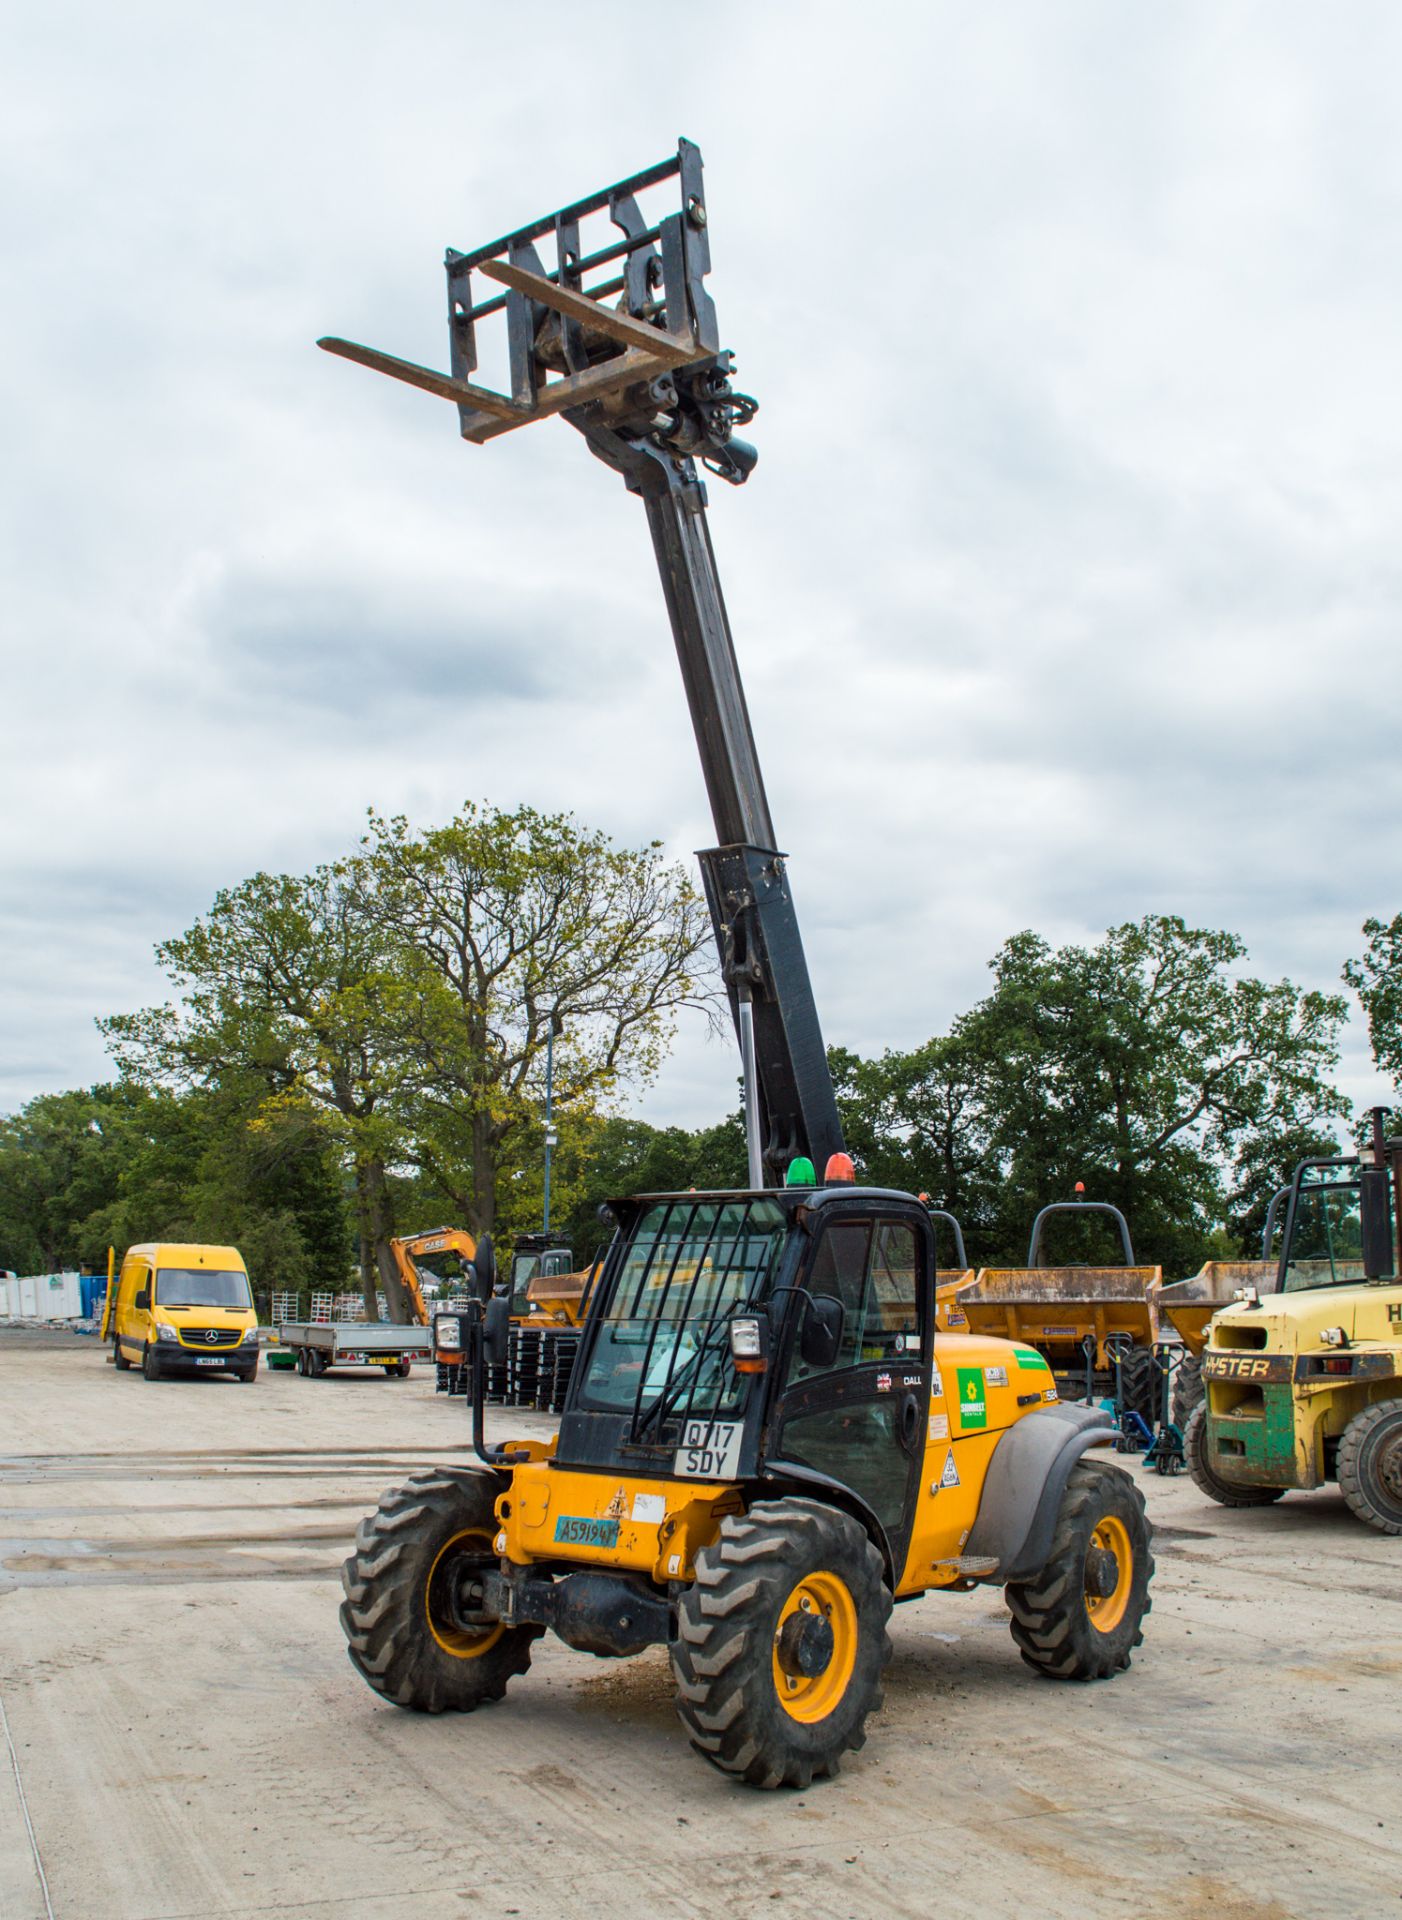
x,y
404,1635
781,1641
1370,1465
1225,1492
1080,1618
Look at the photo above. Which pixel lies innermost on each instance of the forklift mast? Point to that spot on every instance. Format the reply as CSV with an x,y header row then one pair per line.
x,y
647,384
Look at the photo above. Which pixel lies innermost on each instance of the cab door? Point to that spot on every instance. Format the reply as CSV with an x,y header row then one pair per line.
x,y
131,1323
862,1419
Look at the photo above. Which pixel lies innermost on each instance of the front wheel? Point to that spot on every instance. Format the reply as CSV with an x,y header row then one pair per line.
x,y
1081,1618
150,1364
1207,1480
780,1643
1370,1465
403,1613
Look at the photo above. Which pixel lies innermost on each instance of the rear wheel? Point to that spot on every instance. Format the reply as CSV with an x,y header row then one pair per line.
x,y
1370,1465
1225,1492
1080,1619
119,1358
780,1643
1187,1388
402,1611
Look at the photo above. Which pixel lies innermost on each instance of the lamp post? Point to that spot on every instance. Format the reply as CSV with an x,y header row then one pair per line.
x,y
556,1026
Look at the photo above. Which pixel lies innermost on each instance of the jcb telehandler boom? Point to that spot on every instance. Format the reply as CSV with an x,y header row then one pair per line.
x,y
648,386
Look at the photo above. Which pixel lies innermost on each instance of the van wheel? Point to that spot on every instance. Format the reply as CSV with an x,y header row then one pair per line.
x,y
119,1359
150,1364
1370,1465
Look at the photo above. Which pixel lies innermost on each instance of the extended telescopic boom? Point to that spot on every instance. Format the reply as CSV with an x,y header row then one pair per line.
x,y
644,380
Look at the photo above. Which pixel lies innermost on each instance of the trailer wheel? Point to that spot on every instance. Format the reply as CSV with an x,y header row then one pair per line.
x,y
780,1643
410,1556
1188,1389
400,1370
1081,1618
1225,1492
119,1359
1370,1465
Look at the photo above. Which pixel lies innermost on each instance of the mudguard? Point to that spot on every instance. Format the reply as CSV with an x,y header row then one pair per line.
x,y
1025,1481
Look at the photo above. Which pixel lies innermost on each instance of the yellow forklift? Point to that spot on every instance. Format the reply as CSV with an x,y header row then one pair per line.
x,y
767,1442
1304,1383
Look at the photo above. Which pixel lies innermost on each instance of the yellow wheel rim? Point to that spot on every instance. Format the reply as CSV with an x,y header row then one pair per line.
x,y
461,1642
1107,1610
823,1597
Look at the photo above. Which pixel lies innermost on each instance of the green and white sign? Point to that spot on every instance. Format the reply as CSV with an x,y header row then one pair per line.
x,y
973,1408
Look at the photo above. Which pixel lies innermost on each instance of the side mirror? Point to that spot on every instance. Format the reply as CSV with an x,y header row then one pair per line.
x,y
496,1326
821,1338
483,1268
1375,1222
143,1299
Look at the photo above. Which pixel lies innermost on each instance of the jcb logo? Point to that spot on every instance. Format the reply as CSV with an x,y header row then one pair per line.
x,y
1236,1366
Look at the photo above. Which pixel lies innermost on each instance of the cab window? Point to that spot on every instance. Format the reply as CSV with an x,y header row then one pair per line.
x,y
872,1269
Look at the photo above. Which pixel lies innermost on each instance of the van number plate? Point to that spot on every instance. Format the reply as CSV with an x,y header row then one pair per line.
x,y
575,1531
710,1450
202,1362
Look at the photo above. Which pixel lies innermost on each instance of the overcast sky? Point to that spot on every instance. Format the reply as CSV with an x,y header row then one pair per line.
x,y
1067,588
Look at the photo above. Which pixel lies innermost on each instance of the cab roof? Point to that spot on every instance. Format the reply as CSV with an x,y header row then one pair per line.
x,y
791,1198
188,1253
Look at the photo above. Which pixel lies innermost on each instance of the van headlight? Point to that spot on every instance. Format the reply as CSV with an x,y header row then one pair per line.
x,y
166,1332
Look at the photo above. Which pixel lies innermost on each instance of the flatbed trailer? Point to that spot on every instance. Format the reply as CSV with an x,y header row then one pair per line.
x,y
320,1345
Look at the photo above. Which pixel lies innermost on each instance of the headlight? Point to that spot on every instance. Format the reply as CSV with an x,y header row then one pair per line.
x,y
250,1339
1334,1337
447,1333
749,1343
166,1332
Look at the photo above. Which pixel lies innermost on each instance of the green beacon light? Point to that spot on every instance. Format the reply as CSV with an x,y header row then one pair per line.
x,y
800,1173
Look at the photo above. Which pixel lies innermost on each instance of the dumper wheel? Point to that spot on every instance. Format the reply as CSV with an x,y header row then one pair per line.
x,y
1139,1386
1225,1492
1187,1388
1080,1618
413,1557
781,1641
1370,1465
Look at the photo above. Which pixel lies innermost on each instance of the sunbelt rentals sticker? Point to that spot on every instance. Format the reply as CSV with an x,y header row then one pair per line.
x,y
973,1408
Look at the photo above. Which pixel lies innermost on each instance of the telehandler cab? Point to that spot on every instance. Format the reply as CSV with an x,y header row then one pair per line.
x,y
766,1441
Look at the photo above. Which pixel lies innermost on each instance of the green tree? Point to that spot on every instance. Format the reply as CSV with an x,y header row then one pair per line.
x,y
1377,980
287,992
508,931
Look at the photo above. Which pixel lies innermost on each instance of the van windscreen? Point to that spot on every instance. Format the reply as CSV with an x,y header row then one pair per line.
x,y
202,1287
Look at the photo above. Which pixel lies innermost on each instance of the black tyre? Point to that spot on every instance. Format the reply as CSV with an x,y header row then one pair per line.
x,y
150,1364
1140,1386
780,1643
1370,1465
247,1373
403,1636
1188,1389
1224,1492
301,1362
1080,1619
119,1358
399,1371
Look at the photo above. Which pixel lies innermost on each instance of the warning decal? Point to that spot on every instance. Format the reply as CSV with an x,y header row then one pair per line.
x,y
950,1476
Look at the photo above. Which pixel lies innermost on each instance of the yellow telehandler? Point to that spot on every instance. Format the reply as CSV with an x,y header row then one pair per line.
x,y
766,1441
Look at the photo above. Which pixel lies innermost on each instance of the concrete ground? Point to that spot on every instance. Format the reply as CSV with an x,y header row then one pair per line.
x,y
186,1738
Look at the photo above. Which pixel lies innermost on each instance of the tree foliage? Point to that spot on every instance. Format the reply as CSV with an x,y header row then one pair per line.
x,y
1377,980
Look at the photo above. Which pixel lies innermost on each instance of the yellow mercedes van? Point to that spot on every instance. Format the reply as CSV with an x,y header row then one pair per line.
x,y
183,1309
